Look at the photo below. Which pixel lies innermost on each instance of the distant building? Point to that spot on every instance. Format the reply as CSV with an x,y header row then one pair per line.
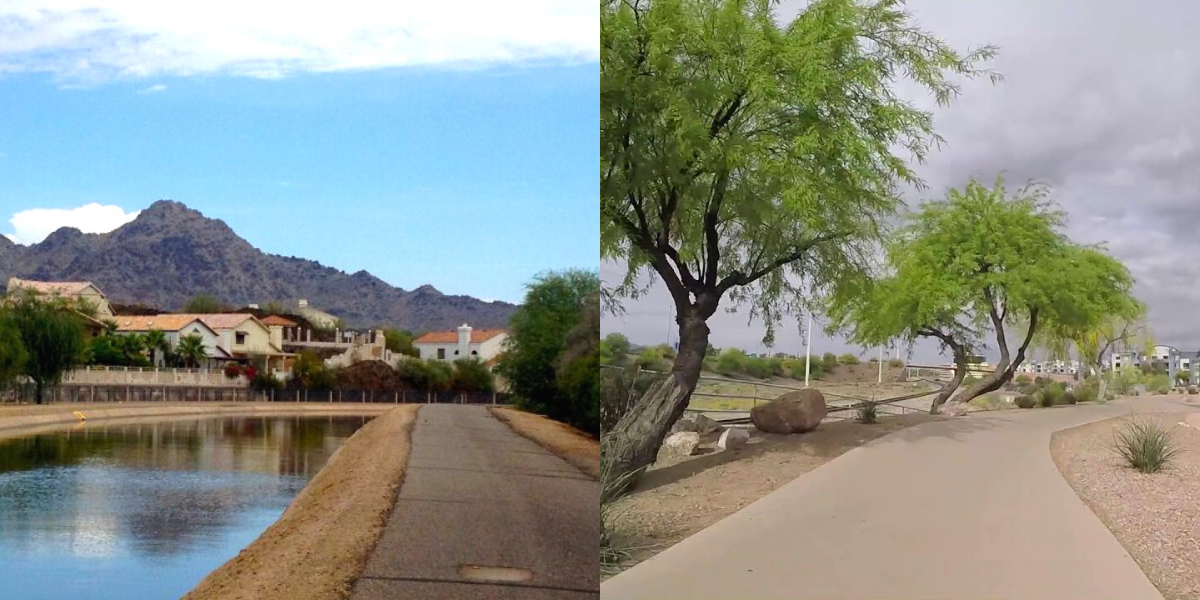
x,y
465,342
84,293
318,318
1163,358
175,328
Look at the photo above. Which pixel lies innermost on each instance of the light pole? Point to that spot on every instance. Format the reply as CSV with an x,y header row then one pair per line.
x,y
881,364
808,349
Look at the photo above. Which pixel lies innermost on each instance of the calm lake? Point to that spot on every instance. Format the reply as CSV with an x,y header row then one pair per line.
x,y
147,511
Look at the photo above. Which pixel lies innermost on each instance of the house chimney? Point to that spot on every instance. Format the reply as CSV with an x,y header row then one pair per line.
x,y
464,341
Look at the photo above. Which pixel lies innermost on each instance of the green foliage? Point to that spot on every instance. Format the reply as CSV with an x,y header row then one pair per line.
x,y
651,359
782,143
665,351
400,341
555,303
848,359
127,350
895,362
203,304
614,349
471,375
52,336
1023,379
1026,401
731,361
980,256
1164,390
265,382
1068,397
969,380
1052,393
191,350
426,375
1146,445
310,373
867,413
1183,377
829,360
619,389
1087,390
275,308
12,352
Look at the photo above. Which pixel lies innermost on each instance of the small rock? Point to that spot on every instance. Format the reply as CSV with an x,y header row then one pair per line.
x,y
733,439
705,425
684,442
684,424
954,409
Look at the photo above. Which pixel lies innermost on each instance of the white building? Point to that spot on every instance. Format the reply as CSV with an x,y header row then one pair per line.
x,y
174,328
465,342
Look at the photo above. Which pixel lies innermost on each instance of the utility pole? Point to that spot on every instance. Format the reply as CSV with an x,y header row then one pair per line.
x,y
808,348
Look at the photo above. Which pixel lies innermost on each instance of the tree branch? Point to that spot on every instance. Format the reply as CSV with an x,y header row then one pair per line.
x,y
739,278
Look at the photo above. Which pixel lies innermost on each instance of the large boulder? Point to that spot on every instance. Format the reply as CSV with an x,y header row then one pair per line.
x,y
733,439
954,409
705,425
684,424
793,412
684,443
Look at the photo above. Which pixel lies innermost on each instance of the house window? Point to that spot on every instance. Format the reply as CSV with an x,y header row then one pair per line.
x,y
441,354
240,338
474,353
456,352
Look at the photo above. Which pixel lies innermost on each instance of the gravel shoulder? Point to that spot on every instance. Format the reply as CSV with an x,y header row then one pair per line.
x,y
320,545
679,496
568,443
1155,517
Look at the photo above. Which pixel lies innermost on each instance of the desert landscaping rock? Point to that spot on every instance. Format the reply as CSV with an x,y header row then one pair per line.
x,y
684,424
733,439
683,443
954,409
706,425
793,412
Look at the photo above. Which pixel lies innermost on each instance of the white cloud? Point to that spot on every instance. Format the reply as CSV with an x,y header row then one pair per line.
x,y
158,87
90,40
33,225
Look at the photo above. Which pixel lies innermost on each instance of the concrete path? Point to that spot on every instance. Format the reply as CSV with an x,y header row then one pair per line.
x,y
476,495
961,509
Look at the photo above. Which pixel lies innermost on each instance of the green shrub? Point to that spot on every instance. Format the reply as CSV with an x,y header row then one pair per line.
x,y
665,351
730,361
1145,445
830,359
1039,381
983,402
651,359
867,413
1164,390
969,380
1023,379
1026,401
848,359
895,362
1067,398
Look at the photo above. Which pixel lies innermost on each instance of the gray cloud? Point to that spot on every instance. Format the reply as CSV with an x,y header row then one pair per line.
x,y
1100,101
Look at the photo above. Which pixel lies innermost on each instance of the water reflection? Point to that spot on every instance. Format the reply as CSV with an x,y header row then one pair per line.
x,y
145,511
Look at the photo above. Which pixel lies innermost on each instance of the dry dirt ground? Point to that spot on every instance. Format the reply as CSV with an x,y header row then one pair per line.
x,y
317,549
678,496
568,443
835,391
1157,516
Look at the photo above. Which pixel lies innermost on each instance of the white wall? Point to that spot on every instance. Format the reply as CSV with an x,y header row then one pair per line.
x,y
486,350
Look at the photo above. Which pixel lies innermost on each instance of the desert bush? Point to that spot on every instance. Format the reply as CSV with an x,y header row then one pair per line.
x,y
1164,390
1023,379
730,361
895,362
1039,381
848,359
969,380
651,359
612,485
867,413
1068,397
620,389
665,351
265,382
1026,401
1145,445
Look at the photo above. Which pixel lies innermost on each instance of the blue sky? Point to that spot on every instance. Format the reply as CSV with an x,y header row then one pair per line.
x,y
471,172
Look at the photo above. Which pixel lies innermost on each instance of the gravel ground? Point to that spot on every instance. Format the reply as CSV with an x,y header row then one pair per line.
x,y
1156,517
679,496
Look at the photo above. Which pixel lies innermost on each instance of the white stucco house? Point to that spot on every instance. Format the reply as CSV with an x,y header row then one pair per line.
x,y
465,342
174,328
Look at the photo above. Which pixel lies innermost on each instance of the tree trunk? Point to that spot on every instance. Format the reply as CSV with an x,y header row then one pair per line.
x,y
37,392
960,372
1102,383
633,444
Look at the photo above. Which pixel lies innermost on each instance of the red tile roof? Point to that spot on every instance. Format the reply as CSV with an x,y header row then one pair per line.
x,y
160,322
64,288
278,320
478,336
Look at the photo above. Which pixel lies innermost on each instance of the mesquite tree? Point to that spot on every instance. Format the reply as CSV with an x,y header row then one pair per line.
x,y
979,264
744,159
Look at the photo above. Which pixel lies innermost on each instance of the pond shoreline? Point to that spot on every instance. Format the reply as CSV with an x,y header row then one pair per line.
x,y
23,420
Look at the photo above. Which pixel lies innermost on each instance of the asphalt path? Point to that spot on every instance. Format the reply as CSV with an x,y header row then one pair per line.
x,y
485,513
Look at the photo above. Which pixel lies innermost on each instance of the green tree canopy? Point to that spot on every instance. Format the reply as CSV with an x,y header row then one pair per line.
x,y
745,158
554,305
203,304
52,336
471,375
191,350
400,342
12,352
979,265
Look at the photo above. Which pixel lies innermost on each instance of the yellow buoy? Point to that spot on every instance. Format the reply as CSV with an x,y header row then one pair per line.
x,y
80,416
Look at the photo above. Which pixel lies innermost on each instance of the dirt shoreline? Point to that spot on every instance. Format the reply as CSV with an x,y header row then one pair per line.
x,y
25,420
318,548
566,442
1153,515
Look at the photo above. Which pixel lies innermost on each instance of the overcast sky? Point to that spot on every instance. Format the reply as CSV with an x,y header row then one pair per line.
x,y
1100,101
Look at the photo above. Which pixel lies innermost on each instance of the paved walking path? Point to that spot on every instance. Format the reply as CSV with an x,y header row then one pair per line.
x,y
476,494
961,509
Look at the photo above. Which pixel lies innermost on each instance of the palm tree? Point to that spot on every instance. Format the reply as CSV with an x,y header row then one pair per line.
x,y
156,341
192,350
133,347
